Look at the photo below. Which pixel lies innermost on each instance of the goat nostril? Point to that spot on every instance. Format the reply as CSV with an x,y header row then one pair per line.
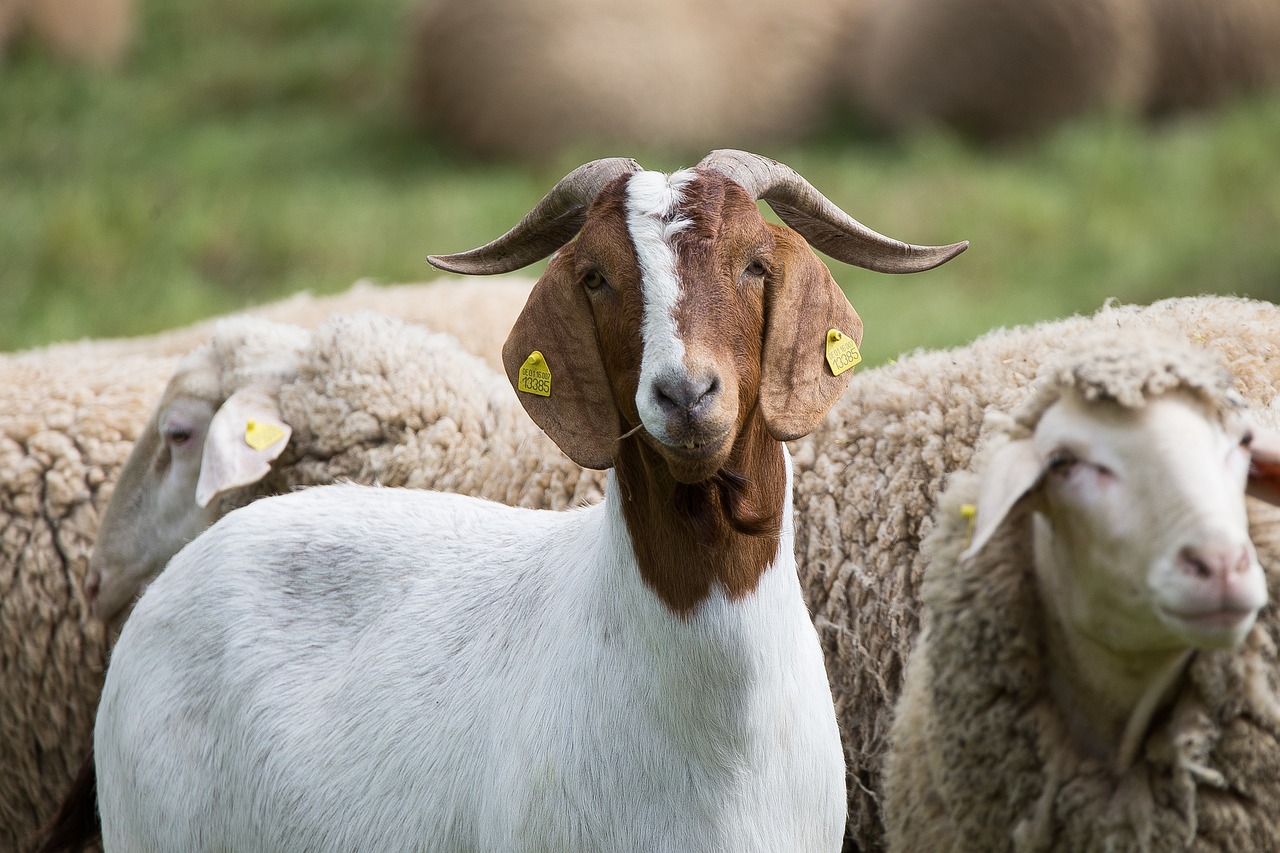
x,y
91,585
683,394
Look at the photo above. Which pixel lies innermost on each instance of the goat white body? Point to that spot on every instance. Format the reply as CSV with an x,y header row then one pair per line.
x,y
382,669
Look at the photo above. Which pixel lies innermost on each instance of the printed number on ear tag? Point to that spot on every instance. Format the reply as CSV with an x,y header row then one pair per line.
x,y
260,436
535,375
842,352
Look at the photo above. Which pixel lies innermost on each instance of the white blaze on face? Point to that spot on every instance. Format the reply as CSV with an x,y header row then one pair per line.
x,y
653,199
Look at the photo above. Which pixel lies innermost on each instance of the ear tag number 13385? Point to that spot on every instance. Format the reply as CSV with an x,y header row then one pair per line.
x,y
535,375
842,352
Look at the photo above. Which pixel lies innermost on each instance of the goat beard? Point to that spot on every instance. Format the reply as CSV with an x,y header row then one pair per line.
x,y
721,505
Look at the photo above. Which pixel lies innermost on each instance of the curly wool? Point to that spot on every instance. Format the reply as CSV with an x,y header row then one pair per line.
x,y
67,424
980,756
867,483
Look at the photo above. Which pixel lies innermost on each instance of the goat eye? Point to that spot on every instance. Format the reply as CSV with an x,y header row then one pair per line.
x,y
177,435
1246,440
756,268
592,280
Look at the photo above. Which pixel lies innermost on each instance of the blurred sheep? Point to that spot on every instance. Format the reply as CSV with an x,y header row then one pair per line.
x,y
93,32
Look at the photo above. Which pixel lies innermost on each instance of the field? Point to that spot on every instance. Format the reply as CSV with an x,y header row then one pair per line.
x,y
253,148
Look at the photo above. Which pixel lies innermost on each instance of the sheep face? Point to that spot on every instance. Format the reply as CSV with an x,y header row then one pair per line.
x,y
1141,539
658,317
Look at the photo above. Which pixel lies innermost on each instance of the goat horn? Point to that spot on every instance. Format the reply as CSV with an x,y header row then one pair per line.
x,y
553,222
824,225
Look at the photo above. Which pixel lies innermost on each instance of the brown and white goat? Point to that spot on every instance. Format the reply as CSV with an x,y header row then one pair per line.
x,y
351,667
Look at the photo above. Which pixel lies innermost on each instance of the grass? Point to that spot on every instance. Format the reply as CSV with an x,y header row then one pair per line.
x,y
253,148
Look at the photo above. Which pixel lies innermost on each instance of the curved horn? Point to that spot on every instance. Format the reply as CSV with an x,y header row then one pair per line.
x,y
553,222
824,225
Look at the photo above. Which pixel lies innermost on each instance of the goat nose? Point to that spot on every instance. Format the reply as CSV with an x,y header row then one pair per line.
x,y
1216,562
91,585
682,394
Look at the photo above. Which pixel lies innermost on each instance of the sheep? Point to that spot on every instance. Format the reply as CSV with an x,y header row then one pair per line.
x,y
1001,69
364,398
1209,50
868,480
667,682
66,426
603,77
69,414
866,483
1087,677
92,32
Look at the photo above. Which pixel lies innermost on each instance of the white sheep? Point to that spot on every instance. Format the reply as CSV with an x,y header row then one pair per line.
x,y
687,74
69,414
386,668
1089,675
1000,68
364,398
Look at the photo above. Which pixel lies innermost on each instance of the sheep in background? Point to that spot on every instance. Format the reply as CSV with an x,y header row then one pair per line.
x,y
363,398
868,480
1086,678
1000,69
66,426
93,32
1209,50
533,79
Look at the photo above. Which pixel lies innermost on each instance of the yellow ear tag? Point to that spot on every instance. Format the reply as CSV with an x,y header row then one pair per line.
x,y
842,352
260,436
969,511
535,375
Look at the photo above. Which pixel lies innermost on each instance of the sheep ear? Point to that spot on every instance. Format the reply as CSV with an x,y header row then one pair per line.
x,y
245,436
553,359
802,308
1264,468
1010,473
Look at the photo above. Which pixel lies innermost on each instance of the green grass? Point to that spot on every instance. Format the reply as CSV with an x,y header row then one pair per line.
x,y
253,148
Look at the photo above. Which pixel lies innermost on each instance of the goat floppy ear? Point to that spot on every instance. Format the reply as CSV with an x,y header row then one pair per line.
x,y
802,304
245,436
564,388
1010,473
1264,467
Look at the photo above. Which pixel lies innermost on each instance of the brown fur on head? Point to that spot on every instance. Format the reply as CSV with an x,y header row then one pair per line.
x,y
745,307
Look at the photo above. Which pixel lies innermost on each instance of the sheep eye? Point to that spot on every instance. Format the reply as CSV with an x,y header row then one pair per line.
x,y
1061,461
1246,440
592,280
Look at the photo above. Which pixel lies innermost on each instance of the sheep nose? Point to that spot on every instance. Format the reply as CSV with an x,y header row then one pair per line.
x,y
92,584
683,394
1214,562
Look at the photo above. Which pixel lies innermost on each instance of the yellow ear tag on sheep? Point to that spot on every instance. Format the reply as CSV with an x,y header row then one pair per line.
x,y
260,436
969,511
842,352
535,375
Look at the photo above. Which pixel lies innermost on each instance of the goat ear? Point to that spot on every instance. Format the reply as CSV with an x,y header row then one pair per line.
x,y
1264,468
564,387
1010,473
245,436
797,385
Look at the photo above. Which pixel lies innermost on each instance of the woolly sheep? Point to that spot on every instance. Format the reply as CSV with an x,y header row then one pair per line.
x,y
1209,50
687,565
1001,68
69,414
868,480
1077,684
366,398
66,426
688,74
94,32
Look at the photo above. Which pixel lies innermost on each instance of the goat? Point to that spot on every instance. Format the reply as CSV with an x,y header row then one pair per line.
x,y
374,668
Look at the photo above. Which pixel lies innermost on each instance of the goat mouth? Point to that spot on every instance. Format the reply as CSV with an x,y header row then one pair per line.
x,y
696,449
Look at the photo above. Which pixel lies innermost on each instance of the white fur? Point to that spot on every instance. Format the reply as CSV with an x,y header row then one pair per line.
x,y
652,201
385,669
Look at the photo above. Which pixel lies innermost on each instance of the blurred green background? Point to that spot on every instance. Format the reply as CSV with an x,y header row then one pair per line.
x,y
249,149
